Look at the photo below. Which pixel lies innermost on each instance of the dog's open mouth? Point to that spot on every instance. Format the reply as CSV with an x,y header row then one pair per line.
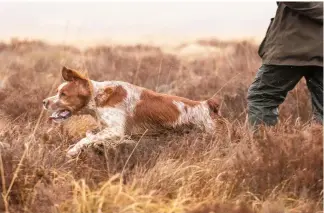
x,y
60,115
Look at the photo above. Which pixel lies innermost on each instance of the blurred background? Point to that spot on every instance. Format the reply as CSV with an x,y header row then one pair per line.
x,y
86,23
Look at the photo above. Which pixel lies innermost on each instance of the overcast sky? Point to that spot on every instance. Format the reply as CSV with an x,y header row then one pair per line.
x,y
90,21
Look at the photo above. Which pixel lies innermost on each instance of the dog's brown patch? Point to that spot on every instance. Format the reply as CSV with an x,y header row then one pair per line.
x,y
73,96
158,109
110,96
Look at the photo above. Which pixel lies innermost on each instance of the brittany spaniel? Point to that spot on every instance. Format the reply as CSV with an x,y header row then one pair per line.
x,y
125,109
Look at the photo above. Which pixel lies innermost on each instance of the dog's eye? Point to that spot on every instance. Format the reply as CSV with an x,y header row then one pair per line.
x,y
63,94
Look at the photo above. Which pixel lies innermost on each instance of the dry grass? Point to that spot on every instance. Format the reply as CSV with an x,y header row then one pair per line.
x,y
278,170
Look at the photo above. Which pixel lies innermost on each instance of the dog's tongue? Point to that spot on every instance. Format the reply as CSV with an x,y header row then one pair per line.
x,y
64,113
60,114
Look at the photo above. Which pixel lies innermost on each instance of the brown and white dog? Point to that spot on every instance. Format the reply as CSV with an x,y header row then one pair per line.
x,y
125,109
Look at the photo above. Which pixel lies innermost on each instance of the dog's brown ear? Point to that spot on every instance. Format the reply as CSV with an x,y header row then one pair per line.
x,y
71,75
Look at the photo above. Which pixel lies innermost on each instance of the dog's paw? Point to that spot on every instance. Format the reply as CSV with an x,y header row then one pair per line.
x,y
73,152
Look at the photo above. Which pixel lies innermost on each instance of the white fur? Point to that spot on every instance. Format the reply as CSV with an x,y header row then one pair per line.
x,y
197,115
105,134
133,93
55,98
114,117
61,86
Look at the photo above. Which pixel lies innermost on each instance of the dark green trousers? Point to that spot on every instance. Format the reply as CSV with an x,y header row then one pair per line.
x,y
270,88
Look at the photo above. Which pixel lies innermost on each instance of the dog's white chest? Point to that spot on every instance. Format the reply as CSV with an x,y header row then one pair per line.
x,y
113,117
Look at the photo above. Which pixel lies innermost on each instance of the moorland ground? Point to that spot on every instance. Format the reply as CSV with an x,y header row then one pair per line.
x,y
230,170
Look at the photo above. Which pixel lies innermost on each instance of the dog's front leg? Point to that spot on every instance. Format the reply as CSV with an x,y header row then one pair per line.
x,y
107,133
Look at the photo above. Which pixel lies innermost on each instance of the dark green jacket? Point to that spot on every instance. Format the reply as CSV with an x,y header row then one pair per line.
x,y
295,35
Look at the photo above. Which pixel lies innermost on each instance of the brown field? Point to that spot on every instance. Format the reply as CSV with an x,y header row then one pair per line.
x,y
230,170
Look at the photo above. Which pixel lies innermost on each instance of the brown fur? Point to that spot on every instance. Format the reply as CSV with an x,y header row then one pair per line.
x,y
110,96
158,109
186,101
75,94
214,104
155,109
71,75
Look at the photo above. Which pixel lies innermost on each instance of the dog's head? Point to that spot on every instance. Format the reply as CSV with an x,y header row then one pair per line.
x,y
72,96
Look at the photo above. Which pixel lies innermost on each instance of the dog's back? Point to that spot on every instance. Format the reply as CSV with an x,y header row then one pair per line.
x,y
141,109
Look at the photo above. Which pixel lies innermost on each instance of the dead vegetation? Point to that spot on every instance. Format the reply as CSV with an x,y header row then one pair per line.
x,y
278,170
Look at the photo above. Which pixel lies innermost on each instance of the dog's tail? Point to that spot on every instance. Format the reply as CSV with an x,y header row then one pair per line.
x,y
214,104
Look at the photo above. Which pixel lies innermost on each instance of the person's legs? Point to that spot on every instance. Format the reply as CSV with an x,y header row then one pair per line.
x,y
314,79
269,90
